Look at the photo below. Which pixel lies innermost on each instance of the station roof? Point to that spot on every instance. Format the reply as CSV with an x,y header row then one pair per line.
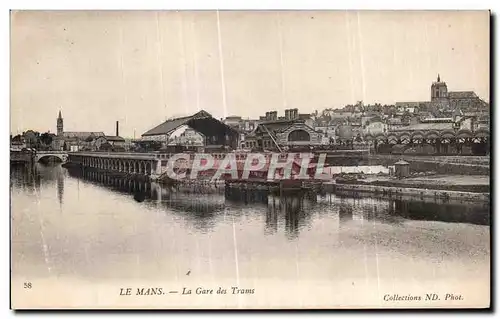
x,y
192,121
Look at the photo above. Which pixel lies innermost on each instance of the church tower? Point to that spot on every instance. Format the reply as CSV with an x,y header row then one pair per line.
x,y
60,126
439,90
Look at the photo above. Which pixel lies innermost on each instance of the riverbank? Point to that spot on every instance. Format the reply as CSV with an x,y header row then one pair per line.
x,y
442,187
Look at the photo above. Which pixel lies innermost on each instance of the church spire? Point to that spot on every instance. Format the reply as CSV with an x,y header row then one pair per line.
x,y
60,124
439,78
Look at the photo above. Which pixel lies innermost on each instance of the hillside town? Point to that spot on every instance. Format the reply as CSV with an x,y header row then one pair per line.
x,y
450,122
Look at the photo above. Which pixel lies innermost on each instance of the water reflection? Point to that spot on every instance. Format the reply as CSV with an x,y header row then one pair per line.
x,y
200,210
271,220
60,187
345,212
25,177
451,213
291,213
88,227
32,178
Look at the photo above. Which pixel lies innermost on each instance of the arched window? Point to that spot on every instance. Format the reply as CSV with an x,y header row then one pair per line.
x,y
299,136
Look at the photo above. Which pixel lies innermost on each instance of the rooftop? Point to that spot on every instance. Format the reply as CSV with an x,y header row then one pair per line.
x,y
201,122
114,138
170,125
425,127
401,162
437,120
82,135
462,95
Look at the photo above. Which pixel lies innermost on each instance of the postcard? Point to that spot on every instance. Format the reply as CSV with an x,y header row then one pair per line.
x,y
250,159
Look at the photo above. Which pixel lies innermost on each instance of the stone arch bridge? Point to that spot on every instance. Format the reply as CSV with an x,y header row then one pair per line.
x,y
60,155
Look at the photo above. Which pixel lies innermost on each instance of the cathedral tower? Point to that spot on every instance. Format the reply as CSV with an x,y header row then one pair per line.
x,y
439,90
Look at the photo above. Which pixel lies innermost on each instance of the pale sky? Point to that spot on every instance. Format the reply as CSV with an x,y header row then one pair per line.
x,y
140,67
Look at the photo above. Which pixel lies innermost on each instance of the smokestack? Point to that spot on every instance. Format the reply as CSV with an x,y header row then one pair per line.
x,y
117,132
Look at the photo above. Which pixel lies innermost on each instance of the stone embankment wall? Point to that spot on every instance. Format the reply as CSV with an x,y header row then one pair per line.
x,y
395,192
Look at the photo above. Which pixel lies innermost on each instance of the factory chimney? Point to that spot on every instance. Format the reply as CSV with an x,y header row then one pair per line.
x,y
117,129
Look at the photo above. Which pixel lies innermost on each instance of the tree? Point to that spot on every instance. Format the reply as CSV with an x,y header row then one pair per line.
x,y
46,138
360,105
105,146
315,115
17,138
31,138
118,149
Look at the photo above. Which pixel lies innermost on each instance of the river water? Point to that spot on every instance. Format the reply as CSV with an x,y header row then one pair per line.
x,y
80,240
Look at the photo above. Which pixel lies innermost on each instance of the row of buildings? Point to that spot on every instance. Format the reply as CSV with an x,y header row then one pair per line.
x,y
448,117
70,140
86,141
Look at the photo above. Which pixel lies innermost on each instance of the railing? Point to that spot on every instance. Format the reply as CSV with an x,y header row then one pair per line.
x,y
52,152
166,156
216,156
119,154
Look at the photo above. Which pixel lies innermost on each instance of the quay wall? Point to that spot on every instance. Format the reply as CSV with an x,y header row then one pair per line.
x,y
398,192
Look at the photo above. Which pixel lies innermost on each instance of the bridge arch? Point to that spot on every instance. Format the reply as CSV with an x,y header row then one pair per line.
x,y
418,136
47,156
405,137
